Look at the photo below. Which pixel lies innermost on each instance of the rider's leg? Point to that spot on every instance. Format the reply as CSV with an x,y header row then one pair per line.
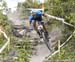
x,y
35,27
42,23
46,32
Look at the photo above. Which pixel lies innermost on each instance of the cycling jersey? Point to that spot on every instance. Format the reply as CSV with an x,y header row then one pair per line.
x,y
37,18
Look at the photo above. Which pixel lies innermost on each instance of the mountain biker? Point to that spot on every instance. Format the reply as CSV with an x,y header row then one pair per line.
x,y
36,16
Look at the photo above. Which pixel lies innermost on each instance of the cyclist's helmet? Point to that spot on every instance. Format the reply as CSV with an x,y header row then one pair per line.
x,y
34,12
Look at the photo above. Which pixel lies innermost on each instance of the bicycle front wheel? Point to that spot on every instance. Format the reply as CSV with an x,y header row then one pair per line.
x,y
46,40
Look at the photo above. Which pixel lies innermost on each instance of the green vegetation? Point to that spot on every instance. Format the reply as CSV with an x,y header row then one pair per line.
x,y
67,53
22,52
60,8
23,49
3,25
64,9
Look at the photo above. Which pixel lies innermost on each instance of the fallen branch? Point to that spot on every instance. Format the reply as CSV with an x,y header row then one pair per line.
x,y
6,44
60,19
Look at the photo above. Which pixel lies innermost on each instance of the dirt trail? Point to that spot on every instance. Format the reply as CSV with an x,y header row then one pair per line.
x,y
41,53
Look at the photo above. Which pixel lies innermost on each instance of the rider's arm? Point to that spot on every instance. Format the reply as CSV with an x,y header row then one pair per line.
x,y
45,15
30,20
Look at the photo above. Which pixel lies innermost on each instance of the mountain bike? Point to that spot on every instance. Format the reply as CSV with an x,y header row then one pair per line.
x,y
44,36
